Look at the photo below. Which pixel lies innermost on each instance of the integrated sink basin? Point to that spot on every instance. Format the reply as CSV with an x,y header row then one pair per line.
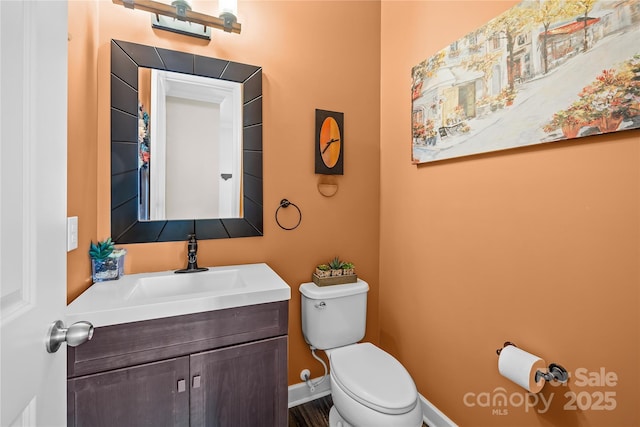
x,y
145,296
187,285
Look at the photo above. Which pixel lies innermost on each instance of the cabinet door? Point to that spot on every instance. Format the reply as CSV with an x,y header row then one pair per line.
x,y
243,385
154,394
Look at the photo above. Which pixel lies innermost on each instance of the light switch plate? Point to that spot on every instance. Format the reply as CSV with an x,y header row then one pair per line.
x,y
72,233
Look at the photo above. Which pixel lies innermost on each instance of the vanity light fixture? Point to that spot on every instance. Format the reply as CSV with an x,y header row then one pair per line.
x,y
178,17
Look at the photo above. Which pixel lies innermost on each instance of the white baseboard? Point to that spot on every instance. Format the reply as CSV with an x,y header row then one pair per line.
x,y
433,416
300,393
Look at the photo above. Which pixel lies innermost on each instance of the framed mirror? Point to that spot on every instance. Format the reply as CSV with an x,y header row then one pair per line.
x,y
132,162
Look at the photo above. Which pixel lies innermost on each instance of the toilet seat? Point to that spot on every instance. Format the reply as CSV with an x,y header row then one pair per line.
x,y
373,378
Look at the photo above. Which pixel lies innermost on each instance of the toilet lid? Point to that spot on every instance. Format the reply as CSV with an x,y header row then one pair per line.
x,y
374,378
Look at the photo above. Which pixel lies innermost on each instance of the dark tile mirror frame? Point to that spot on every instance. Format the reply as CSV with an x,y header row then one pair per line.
x,y
126,57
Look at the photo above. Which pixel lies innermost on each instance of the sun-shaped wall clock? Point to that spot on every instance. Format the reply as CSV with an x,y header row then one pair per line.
x,y
329,143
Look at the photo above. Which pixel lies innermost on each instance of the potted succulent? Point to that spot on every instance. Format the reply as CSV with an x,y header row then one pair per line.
x,y
335,272
323,270
336,267
347,268
103,265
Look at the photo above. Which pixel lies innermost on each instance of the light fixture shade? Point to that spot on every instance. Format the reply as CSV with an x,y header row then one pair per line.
x,y
180,18
228,6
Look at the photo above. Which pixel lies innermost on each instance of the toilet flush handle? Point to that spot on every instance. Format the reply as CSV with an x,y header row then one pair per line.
x,y
321,305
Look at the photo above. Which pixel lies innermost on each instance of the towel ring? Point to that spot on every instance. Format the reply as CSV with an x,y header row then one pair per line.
x,y
284,203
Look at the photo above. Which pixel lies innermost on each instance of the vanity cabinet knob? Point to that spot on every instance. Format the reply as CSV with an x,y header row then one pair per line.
x,y
196,381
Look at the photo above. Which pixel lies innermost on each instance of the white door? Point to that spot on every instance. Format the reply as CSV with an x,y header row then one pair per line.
x,y
33,199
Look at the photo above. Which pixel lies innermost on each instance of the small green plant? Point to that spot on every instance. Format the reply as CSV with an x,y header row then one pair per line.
x,y
347,265
324,267
101,250
335,264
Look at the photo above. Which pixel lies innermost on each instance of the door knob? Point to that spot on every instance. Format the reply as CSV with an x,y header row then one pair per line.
x,y
74,335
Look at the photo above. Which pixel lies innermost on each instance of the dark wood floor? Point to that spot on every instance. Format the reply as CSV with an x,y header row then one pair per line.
x,y
313,414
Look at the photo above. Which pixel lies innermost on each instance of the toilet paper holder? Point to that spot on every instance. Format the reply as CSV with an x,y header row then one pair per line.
x,y
555,371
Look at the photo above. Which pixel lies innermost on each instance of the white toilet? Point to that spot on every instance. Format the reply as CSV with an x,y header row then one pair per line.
x,y
369,387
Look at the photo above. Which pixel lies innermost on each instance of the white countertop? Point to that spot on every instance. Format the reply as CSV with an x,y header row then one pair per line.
x,y
121,301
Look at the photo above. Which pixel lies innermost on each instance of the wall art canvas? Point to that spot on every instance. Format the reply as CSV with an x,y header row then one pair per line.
x,y
543,71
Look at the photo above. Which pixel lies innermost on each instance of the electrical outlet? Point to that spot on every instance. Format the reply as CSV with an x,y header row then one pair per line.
x,y
72,233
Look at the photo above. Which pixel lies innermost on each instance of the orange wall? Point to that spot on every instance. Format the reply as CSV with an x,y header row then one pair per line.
x,y
314,55
82,149
539,246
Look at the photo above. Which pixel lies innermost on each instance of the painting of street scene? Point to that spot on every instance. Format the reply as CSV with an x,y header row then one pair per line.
x,y
543,71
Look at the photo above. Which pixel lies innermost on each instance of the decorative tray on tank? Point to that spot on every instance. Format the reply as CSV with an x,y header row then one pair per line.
x,y
334,280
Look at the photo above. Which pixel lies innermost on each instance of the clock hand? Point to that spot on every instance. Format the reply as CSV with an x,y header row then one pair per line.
x,y
329,143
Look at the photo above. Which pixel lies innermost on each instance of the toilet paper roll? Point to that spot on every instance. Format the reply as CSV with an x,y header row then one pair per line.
x,y
520,367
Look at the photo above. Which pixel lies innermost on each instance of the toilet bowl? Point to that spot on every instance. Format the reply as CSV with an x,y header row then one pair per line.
x,y
369,387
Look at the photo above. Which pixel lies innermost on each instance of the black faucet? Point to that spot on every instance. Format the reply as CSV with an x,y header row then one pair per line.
x,y
192,254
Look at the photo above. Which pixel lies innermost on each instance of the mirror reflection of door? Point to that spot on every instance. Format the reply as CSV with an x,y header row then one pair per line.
x,y
190,148
192,163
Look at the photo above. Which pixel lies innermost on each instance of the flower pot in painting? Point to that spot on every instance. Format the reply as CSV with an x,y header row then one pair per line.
x,y
571,130
609,124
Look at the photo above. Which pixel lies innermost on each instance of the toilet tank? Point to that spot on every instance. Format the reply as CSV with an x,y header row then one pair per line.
x,y
334,316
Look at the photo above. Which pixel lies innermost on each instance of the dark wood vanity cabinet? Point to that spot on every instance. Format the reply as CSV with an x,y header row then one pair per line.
x,y
142,395
218,368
